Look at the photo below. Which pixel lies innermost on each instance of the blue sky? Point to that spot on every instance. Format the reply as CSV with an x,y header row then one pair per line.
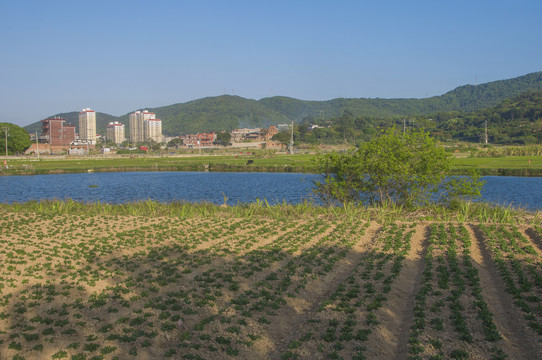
x,y
118,56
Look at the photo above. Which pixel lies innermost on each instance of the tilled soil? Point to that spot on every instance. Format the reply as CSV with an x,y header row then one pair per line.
x,y
106,287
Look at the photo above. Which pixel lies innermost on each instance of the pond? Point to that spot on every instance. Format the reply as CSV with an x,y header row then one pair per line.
x,y
122,187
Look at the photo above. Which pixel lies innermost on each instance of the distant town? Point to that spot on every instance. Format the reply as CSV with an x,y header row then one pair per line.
x,y
145,131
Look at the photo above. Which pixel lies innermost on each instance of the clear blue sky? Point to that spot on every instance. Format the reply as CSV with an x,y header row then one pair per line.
x,y
117,56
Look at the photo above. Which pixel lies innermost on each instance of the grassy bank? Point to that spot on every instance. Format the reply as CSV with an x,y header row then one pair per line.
x,y
237,163
501,166
504,166
464,211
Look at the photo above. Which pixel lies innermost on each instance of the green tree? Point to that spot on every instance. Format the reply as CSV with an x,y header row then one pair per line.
x,y
223,138
18,139
283,137
395,167
346,125
175,143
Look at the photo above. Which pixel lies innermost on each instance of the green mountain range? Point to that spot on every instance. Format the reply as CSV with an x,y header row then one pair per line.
x,y
229,112
514,121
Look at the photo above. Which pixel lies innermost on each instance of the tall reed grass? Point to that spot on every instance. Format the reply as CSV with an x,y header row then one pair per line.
x,y
384,213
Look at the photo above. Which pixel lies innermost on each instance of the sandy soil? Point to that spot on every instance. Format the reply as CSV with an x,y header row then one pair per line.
x,y
108,287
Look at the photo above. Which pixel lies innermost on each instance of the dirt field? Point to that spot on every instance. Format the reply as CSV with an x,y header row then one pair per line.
x,y
106,287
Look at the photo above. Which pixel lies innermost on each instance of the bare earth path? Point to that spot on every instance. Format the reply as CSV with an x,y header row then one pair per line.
x,y
518,342
396,317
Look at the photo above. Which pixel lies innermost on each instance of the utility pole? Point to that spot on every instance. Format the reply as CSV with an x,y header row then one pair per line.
x,y
37,145
486,130
292,139
6,129
404,126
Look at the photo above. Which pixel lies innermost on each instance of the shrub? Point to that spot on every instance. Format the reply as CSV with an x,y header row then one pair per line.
x,y
403,168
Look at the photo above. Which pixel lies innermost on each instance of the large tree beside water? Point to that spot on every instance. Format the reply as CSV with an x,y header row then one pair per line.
x,y
18,139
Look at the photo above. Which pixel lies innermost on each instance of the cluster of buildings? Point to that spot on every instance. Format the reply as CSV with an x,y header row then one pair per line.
x,y
237,136
143,126
56,132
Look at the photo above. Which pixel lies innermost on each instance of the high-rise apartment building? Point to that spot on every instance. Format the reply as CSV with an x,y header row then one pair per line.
x,y
145,126
135,130
153,130
87,126
115,132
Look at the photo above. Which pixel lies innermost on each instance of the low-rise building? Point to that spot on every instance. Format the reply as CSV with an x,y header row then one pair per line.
x,y
313,126
238,135
56,133
203,139
283,127
255,136
271,131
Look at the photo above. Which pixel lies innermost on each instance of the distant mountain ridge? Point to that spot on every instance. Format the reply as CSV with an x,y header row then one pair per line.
x,y
227,112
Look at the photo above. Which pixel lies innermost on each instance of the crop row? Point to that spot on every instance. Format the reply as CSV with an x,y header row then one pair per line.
x,y
451,317
110,287
114,287
343,322
520,267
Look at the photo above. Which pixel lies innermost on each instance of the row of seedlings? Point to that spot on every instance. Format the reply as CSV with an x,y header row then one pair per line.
x,y
261,281
344,321
194,294
451,317
73,267
520,267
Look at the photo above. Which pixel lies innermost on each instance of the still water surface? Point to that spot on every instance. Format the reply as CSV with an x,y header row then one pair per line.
x,y
125,187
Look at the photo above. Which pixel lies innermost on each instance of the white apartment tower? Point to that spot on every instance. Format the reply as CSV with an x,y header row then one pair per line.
x,y
115,132
134,127
137,125
87,126
145,126
153,130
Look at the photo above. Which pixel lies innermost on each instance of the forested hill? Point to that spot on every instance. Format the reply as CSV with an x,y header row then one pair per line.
x,y
471,98
229,112
514,121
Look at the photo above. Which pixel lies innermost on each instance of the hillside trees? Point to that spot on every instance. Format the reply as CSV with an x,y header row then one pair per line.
x,y
404,168
514,121
18,139
346,126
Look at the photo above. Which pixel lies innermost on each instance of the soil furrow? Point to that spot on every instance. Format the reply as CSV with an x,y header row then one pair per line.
x,y
501,304
391,335
276,266
298,310
535,239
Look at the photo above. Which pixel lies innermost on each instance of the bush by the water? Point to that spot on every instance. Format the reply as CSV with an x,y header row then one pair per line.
x,y
400,167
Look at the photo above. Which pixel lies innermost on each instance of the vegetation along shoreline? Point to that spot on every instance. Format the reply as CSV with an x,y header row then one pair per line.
x,y
528,166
